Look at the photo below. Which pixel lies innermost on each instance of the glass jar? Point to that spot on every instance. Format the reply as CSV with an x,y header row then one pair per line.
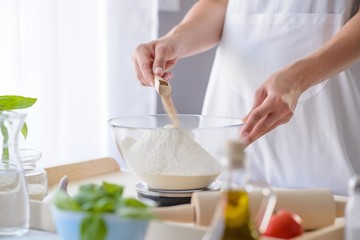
x,y
36,177
14,199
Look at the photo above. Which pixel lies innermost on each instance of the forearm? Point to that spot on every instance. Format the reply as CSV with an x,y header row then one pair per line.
x,y
337,54
201,28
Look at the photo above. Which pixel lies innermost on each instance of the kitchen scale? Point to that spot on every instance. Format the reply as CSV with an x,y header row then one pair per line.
x,y
166,198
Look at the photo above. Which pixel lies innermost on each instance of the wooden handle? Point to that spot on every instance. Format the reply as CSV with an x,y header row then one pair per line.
x,y
81,170
181,213
200,211
205,204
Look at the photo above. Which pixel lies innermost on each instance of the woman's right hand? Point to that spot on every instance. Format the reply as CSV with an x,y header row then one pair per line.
x,y
200,30
155,58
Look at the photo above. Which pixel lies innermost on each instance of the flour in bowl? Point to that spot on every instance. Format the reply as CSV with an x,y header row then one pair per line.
x,y
169,152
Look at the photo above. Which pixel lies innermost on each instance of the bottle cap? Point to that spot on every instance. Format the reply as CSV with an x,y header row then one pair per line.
x,y
354,184
236,153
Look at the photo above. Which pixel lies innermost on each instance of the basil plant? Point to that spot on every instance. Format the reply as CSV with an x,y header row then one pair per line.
x,y
11,103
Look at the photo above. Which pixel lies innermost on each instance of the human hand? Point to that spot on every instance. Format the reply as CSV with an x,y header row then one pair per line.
x,y
155,57
275,102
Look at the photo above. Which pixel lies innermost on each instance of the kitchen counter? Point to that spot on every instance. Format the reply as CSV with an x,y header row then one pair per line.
x,y
35,235
81,173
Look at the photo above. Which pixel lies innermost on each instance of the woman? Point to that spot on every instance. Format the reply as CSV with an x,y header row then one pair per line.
x,y
299,60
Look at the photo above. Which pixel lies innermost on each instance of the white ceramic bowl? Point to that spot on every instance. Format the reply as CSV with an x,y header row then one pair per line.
x,y
174,159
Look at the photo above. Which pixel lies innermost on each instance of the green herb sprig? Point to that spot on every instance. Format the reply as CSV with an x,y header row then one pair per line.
x,y
10,103
97,199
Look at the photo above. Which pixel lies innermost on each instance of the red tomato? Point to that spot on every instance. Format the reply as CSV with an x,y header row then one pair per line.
x,y
284,224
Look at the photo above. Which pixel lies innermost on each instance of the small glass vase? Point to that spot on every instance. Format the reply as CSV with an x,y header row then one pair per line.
x,y
36,177
14,199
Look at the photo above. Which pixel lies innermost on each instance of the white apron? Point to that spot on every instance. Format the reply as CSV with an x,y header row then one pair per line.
x,y
320,146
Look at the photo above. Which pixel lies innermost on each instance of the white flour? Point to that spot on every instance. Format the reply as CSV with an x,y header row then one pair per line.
x,y
169,152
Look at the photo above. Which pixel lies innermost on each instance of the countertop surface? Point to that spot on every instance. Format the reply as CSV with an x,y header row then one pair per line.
x,y
158,230
35,235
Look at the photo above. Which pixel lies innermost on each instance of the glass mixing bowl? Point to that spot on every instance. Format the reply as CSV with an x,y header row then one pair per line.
x,y
168,158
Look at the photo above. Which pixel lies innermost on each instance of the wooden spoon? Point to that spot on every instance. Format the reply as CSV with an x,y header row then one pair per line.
x,y
162,86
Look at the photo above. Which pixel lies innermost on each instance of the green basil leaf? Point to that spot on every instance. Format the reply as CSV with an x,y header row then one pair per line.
x,y
88,188
24,130
4,133
113,189
93,189
64,201
88,206
5,156
105,204
5,150
11,102
89,194
93,227
134,203
85,197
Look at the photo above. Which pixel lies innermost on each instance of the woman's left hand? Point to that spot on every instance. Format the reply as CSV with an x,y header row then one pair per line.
x,y
275,102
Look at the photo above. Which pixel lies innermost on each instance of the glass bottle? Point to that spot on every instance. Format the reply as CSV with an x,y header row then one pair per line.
x,y
238,222
233,219
352,212
14,199
36,177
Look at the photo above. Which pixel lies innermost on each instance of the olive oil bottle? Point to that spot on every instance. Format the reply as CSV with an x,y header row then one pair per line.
x,y
232,219
237,220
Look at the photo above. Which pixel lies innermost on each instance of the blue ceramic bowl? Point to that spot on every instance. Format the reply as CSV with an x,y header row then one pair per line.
x,y
68,225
